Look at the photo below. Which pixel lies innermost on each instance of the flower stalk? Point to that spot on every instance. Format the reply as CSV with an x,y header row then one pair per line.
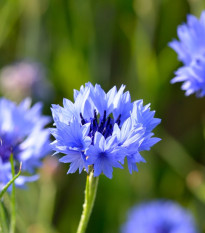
x,y
4,189
90,194
13,199
3,221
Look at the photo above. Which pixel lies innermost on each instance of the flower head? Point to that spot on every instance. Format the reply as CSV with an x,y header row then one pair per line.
x,y
159,217
191,51
102,129
22,135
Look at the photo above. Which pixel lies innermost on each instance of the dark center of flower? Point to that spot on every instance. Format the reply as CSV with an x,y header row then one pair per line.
x,y
6,149
165,228
5,152
104,124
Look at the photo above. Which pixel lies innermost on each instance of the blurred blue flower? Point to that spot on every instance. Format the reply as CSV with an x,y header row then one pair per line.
x,y
161,216
102,129
22,134
191,51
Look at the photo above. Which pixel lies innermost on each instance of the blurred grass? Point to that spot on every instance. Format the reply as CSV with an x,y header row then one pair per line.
x,y
111,42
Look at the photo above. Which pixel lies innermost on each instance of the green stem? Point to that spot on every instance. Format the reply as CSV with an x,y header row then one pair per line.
x,y
90,194
3,222
13,199
4,189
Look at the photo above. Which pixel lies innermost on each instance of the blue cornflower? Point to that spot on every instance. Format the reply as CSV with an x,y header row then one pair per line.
x,y
102,129
191,51
161,216
22,134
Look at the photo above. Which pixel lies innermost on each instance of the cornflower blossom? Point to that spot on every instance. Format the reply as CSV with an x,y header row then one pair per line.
x,y
161,216
102,129
22,135
191,51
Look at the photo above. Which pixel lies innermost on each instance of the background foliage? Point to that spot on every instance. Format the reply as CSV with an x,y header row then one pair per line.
x,y
110,42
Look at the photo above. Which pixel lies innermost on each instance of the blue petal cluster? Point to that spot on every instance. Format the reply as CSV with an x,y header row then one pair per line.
x,y
102,129
22,134
159,217
191,51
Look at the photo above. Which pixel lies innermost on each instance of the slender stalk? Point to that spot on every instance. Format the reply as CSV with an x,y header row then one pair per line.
x,y
4,189
3,222
13,199
90,194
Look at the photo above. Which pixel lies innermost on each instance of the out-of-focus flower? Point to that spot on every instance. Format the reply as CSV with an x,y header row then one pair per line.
x,y
191,51
101,129
161,216
22,134
23,79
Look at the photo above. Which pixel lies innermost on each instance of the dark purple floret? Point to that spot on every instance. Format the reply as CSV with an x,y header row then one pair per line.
x,y
102,123
5,152
118,121
103,126
7,148
165,228
82,119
